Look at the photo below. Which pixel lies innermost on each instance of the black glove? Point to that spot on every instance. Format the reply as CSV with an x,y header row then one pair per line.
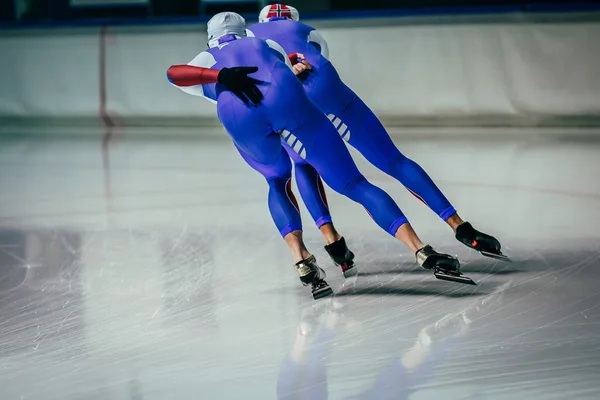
x,y
236,79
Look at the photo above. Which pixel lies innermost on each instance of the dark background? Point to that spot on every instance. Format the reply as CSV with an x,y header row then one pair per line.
x,y
49,11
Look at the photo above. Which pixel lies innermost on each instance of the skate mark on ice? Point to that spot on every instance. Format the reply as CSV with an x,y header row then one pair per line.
x,y
591,261
553,278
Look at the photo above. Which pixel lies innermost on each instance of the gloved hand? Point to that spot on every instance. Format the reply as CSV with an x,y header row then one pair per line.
x,y
236,79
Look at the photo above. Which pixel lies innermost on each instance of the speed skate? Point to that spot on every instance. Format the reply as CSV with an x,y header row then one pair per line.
x,y
483,243
497,256
452,276
444,266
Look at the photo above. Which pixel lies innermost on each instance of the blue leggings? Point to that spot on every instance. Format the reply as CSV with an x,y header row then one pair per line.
x,y
287,109
359,126
311,188
309,184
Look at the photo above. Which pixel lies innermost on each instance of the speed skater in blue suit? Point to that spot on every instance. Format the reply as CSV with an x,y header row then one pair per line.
x,y
270,106
356,124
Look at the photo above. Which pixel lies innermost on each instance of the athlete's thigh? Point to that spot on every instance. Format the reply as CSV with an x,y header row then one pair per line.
x,y
316,141
280,167
249,129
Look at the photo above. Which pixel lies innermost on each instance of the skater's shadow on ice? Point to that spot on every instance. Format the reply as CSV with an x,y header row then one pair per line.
x,y
501,268
433,287
478,267
412,291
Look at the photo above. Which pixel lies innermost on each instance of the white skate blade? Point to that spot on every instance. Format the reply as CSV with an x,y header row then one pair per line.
x,y
350,273
501,257
444,276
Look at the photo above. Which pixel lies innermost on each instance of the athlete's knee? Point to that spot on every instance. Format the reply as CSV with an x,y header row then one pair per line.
x,y
304,167
279,180
398,162
353,187
280,168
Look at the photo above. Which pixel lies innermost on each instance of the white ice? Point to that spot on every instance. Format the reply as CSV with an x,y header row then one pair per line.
x,y
150,269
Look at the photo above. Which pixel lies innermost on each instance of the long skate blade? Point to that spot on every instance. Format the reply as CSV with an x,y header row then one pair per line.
x,y
444,276
500,256
322,292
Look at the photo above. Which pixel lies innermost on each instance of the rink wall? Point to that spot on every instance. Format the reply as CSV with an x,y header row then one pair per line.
x,y
507,71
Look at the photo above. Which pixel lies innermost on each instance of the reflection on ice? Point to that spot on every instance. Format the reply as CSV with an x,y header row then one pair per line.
x,y
303,374
177,286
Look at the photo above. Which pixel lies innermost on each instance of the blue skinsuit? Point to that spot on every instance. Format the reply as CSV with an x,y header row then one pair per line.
x,y
353,119
286,113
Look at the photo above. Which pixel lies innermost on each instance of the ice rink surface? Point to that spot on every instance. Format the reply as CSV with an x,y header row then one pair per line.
x,y
150,269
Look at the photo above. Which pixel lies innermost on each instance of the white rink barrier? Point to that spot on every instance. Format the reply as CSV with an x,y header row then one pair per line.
x,y
523,73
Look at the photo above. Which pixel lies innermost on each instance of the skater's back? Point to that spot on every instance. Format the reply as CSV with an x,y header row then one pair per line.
x,y
232,51
279,23
295,35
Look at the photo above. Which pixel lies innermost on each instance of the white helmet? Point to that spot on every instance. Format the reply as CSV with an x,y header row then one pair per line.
x,y
225,23
278,10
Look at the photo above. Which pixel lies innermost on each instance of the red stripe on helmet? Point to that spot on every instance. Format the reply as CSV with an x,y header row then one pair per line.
x,y
279,10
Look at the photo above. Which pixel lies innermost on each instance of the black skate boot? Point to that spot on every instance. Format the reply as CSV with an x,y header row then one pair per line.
x,y
342,257
311,274
444,266
485,244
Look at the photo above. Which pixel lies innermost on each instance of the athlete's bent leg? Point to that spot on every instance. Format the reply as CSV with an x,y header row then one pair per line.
x,y
331,159
361,128
365,133
313,194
